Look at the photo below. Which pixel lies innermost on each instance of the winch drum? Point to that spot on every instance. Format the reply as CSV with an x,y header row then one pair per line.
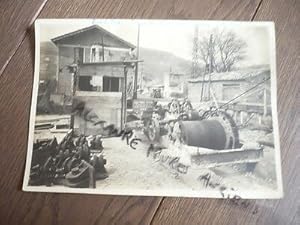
x,y
204,133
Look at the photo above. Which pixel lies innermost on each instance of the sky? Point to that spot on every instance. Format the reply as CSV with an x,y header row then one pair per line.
x,y
175,37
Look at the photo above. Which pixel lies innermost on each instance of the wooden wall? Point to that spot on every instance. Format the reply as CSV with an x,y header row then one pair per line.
x,y
64,76
218,88
107,106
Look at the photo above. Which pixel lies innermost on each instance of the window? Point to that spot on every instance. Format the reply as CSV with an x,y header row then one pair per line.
x,y
87,55
90,83
111,84
99,84
85,83
97,53
93,55
230,91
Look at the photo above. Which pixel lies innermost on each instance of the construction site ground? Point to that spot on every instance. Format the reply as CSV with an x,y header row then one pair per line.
x,y
131,170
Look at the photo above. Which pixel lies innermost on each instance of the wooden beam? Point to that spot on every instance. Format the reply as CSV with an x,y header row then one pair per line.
x,y
265,99
135,81
125,94
102,44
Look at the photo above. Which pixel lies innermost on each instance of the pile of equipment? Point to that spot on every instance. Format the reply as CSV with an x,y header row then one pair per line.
x,y
70,163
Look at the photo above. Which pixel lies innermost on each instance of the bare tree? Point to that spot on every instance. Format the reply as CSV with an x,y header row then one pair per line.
x,y
204,50
220,51
231,49
208,52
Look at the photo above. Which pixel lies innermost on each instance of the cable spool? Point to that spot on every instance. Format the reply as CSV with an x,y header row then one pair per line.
x,y
217,132
230,127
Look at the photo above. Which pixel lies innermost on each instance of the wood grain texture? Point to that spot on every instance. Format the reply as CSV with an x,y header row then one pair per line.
x,y
154,9
16,17
17,207
286,16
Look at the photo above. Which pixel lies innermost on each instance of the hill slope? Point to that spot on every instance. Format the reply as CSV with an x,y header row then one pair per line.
x,y
157,63
48,61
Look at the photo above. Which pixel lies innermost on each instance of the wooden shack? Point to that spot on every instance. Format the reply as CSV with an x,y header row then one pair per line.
x,y
224,87
95,67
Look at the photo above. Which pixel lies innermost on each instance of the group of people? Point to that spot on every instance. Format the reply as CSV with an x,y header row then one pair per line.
x,y
174,107
177,107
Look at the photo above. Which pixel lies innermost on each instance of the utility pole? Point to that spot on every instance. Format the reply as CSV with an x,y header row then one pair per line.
x,y
210,63
195,59
265,98
136,64
75,81
202,87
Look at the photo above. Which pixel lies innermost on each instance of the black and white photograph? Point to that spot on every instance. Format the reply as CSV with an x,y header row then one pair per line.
x,y
181,108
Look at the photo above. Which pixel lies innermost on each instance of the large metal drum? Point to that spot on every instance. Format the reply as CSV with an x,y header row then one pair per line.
x,y
205,133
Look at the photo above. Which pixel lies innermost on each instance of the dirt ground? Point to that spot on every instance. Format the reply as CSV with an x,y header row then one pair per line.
x,y
131,170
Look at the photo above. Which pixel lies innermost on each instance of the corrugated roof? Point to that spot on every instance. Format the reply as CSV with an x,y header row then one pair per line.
x,y
100,29
233,75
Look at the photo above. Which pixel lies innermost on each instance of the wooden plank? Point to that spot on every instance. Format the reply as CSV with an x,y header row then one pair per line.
x,y
285,211
16,17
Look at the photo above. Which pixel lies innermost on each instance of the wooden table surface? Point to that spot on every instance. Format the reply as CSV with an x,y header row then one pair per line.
x,y
16,77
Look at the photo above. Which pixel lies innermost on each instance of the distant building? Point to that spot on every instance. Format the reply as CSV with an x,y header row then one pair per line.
x,y
228,85
98,68
175,85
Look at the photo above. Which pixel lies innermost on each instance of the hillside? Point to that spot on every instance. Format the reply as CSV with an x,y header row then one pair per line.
x,y
157,63
48,60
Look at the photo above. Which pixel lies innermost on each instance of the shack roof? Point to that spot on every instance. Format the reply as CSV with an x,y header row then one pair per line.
x,y
237,75
92,35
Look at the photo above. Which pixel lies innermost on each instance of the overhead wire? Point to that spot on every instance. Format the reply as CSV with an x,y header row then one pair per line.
x,y
245,92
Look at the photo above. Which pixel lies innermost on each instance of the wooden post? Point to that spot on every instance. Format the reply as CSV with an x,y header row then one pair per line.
x,y
57,70
136,64
202,89
259,119
124,99
214,98
210,64
73,94
75,81
102,48
125,94
235,116
265,99
135,81
242,117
